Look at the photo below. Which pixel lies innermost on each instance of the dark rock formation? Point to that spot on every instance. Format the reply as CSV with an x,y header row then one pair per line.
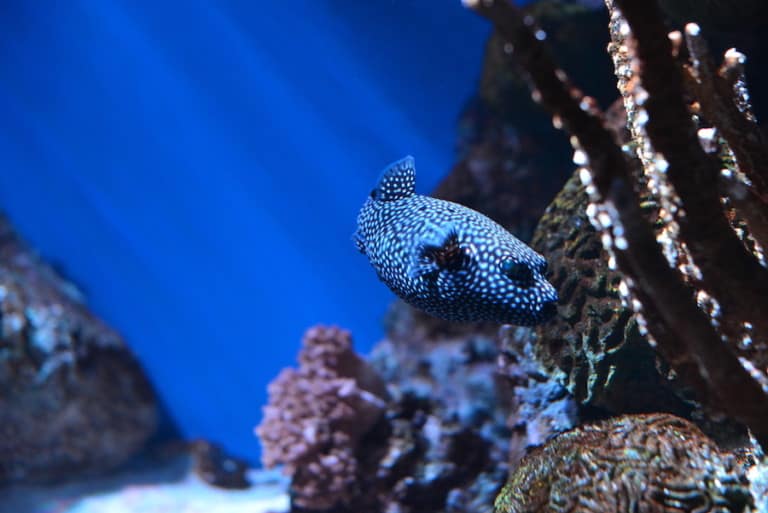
x,y
73,399
449,439
214,466
541,406
650,463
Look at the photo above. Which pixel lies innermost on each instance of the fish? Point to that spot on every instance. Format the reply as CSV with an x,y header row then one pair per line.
x,y
448,260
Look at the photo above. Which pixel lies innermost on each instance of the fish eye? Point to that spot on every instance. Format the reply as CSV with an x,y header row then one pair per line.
x,y
374,193
543,267
517,271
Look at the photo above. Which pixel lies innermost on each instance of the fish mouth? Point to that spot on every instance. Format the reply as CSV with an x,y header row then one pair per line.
x,y
549,302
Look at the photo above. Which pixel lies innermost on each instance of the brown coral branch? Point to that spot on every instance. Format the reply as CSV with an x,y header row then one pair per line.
x,y
749,207
715,92
729,271
722,106
682,331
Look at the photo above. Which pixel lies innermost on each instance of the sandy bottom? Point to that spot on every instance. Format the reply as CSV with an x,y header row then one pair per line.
x,y
168,488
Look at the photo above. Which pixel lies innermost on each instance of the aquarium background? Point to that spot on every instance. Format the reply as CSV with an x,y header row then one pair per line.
x,y
197,168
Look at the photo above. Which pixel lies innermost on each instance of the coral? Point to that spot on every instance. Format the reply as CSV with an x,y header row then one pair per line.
x,y
440,444
541,407
447,446
649,463
316,416
73,399
758,481
693,278
455,370
697,236
594,345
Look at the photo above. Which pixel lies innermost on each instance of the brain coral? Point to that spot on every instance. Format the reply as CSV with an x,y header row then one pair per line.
x,y
654,463
593,345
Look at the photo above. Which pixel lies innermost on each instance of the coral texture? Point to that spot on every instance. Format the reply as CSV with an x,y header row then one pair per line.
x,y
73,399
541,406
435,441
446,450
641,463
758,481
594,344
316,416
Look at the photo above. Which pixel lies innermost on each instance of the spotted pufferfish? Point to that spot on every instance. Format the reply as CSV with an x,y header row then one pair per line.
x,y
449,260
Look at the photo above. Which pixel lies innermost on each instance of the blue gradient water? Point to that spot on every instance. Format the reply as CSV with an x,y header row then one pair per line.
x,y
196,167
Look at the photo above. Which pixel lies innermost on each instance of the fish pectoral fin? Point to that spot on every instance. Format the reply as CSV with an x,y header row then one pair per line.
x,y
422,268
445,253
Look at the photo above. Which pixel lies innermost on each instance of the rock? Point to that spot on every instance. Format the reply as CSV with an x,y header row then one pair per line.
x,y
447,445
217,468
73,399
541,406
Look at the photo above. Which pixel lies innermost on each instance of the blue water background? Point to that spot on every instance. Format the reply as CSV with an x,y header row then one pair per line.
x,y
196,167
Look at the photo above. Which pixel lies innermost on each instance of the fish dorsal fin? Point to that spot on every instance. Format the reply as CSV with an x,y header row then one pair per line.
x,y
397,181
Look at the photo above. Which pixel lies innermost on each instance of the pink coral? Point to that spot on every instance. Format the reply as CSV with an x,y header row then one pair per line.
x,y
316,416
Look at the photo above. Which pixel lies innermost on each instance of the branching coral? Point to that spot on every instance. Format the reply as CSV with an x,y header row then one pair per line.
x,y
721,97
668,144
316,416
714,265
